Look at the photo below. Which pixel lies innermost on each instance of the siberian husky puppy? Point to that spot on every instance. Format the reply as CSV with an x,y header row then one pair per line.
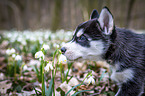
x,y
99,39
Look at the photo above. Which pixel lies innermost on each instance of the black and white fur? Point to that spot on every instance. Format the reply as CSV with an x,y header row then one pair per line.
x,y
99,39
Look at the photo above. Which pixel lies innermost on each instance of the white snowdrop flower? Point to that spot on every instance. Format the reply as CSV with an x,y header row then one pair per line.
x,y
48,66
28,37
13,55
13,50
32,38
41,41
90,80
19,39
46,36
62,59
12,40
39,54
46,47
52,36
2,76
35,62
9,35
8,51
55,45
23,42
25,67
18,57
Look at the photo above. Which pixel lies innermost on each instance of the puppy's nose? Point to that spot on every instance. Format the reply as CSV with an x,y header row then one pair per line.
x,y
63,49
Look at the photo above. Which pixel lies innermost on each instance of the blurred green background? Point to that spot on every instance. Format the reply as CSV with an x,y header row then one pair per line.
x,y
67,14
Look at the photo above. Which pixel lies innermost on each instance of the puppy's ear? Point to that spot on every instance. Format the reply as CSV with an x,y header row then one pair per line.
x,y
94,14
106,21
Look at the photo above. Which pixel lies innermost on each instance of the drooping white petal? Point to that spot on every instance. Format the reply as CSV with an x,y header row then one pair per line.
x,y
25,67
39,54
91,80
8,51
46,47
48,66
62,59
18,57
13,55
13,50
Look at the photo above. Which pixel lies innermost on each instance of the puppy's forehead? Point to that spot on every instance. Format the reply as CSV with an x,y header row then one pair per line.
x,y
80,29
83,26
80,32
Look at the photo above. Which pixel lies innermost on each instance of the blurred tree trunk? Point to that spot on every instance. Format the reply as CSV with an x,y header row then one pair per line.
x,y
73,10
88,6
56,18
16,13
99,5
26,14
4,17
67,14
130,8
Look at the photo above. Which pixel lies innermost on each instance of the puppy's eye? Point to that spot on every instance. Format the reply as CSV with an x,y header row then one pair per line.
x,y
82,38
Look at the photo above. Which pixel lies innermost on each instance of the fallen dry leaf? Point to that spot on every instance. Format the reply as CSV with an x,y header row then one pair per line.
x,y
4,85
80,66
73,82
66,87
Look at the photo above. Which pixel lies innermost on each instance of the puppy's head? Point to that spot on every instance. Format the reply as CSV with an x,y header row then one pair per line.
x,y
91,38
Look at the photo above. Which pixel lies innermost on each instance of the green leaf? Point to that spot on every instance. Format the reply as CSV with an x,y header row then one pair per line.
x,y
35,69
70,65
73,88
80,92
35,91
102,76
49,91
55,53
69,79
61,91
37,72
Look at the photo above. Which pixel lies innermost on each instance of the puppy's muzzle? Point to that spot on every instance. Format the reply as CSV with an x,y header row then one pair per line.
x,y
63,50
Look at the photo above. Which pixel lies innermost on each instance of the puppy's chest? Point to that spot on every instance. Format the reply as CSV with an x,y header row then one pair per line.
x,y
121,76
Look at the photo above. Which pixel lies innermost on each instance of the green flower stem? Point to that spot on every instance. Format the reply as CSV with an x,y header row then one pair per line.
x,y
53,76
57,62
67,75
43,64
43,87
61,71
8,68
53,80
56,68
21,68
20,72
69,67
15,69
53,86
54,72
